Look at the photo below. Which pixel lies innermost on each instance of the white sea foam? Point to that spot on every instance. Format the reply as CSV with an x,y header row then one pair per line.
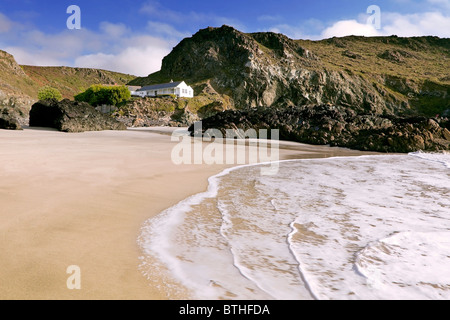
x,y
372,227
440,157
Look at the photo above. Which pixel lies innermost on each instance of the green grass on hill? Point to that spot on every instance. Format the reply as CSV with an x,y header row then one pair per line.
x,y
72,81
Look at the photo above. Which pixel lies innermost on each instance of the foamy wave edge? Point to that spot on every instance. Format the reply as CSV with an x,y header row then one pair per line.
x,y
152,238
439,157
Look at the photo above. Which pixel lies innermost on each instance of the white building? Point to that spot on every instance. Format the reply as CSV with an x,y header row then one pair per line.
x,y
133,90
180,89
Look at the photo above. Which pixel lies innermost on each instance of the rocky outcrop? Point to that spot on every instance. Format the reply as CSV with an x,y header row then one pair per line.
x,y
339,126
16,105
151,112
71,116
9,64
170,110
396,56
15,87
270,70
9,121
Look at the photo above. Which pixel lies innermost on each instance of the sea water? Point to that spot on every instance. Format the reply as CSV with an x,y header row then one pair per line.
x,y
370,227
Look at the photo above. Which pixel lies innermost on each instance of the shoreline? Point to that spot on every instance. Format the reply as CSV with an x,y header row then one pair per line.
x,y
82,199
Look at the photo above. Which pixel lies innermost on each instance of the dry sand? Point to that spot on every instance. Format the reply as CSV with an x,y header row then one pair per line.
x,y
81,199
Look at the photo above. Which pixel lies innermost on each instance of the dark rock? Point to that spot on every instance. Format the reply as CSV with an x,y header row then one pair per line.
x,y
8,121
352,55
71,116
397,56
339,126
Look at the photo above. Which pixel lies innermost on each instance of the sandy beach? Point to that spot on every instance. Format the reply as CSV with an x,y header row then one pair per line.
x,y
81,199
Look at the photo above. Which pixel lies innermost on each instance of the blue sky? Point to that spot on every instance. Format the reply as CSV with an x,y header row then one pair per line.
x,y
133,36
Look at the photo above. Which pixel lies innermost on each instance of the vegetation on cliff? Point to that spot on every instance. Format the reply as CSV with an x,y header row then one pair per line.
x,y
47,93
98,95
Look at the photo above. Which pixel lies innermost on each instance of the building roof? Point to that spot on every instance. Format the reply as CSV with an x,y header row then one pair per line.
x,y
134,88
161,86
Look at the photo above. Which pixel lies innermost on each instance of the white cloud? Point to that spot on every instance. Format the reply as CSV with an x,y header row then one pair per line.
x,y
155,10
289,31
5,23
141,56
28,57
308,29
166,30
441,3
114,29
349,27
422,24
34,47
433,23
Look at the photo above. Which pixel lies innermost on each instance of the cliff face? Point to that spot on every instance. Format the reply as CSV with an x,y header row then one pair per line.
x,y
385,75
15,88
8,65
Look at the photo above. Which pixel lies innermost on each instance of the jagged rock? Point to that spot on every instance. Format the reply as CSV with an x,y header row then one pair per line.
x,y
8,121
351,54
339,126
71,116
397,56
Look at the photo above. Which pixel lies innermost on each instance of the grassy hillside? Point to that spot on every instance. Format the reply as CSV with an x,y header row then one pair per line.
x,y
416,58
21,80
71,81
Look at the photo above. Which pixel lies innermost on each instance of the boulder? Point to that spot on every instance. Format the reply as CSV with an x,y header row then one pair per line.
x,y
71,116
8,121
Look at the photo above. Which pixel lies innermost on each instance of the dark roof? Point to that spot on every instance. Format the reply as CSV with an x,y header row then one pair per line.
x,y
161,86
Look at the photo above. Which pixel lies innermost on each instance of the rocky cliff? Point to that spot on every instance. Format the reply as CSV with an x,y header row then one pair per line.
x,y
381,75
15,102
